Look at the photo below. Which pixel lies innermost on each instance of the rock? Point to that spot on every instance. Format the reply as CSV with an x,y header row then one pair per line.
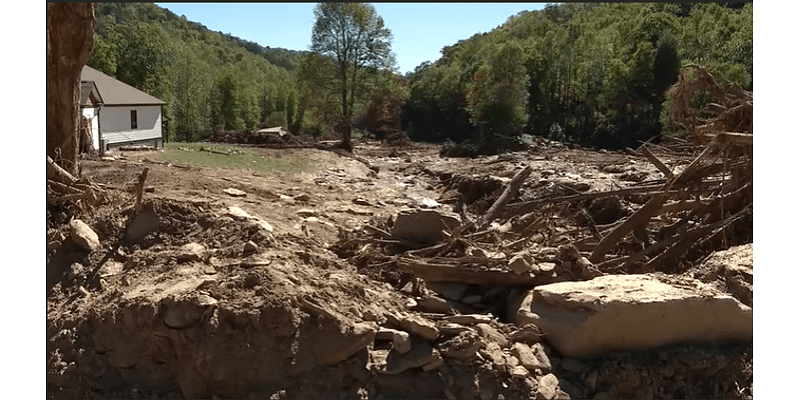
x,y
469,319
452,291
633,312
263,224
252,280
400,339
75,271
82,235
450,328
548,387
191,252
487,332
546,266
237,213
730,271
234,192
531,358
520,372
527,334
420,326
250,247
436,363
465,345
306,212
303,197
422,353
434,304
586,269
423,227
334,346
493,352
110,268
519,265
568,252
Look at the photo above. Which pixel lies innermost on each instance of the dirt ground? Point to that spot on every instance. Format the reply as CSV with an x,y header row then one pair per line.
x,y
200,301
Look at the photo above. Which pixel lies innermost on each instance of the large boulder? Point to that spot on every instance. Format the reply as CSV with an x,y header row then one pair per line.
x,y
422,227
633,312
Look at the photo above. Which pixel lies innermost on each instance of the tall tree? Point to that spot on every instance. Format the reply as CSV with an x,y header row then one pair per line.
x,y
354,35
70,29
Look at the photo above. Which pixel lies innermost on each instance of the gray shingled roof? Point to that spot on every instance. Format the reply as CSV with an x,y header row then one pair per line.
x,y
116,93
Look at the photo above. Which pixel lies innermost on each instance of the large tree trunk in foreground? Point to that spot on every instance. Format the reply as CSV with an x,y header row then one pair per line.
x,y
70,30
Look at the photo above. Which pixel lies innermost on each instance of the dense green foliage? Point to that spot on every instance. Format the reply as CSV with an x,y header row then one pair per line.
x,y
208,79
594,73
353,36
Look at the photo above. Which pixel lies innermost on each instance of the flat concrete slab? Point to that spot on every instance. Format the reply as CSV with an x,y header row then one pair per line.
x,y
633,312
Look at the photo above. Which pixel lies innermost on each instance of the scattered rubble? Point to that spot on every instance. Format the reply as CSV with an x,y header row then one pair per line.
x,y
508,276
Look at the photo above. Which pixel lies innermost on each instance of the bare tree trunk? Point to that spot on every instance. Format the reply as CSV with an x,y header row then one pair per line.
x,y
70,31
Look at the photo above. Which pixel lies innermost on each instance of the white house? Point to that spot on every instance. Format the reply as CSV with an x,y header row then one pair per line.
x,y
125,116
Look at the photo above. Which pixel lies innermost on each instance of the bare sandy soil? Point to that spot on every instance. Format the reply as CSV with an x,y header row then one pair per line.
x,y
197,300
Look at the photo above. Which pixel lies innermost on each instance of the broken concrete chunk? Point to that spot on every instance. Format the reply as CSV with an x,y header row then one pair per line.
x,y
81,234
423,227
633,312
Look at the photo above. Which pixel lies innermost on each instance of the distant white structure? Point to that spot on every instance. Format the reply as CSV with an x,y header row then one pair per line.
x,y
120,114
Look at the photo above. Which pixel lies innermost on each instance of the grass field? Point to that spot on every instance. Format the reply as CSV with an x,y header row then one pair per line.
x,y
236,157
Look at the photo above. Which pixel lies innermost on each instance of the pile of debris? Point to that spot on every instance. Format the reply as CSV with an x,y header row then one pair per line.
x,y
277,136
730,110
594,272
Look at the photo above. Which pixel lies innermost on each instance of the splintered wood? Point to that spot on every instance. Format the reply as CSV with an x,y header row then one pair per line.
x,y
668,224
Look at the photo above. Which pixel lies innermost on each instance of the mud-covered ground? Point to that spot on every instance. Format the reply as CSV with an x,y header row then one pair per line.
x,y
194,298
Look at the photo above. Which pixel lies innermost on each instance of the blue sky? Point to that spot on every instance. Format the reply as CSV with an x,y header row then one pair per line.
x,y
420,30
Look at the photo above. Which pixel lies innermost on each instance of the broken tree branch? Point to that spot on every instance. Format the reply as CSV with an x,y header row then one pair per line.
x,y
56,173
660,165
139,190
509,193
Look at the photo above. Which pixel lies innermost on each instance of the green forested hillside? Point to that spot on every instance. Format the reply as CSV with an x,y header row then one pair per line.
x,y
209,80
593,73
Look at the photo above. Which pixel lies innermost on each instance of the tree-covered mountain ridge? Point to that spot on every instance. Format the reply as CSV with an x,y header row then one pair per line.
x,y
592,73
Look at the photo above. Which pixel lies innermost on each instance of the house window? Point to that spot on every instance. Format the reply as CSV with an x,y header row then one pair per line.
x,y
133,119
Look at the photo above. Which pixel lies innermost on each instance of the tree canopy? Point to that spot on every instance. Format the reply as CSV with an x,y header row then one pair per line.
x,y
354,36
593,73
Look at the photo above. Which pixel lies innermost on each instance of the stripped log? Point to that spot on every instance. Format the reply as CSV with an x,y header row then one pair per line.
x,y
509,193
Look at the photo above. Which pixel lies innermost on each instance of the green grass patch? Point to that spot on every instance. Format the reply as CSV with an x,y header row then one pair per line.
x,y
226,156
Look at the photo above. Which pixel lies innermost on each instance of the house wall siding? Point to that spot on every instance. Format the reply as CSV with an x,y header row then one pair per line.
x,y
116,124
